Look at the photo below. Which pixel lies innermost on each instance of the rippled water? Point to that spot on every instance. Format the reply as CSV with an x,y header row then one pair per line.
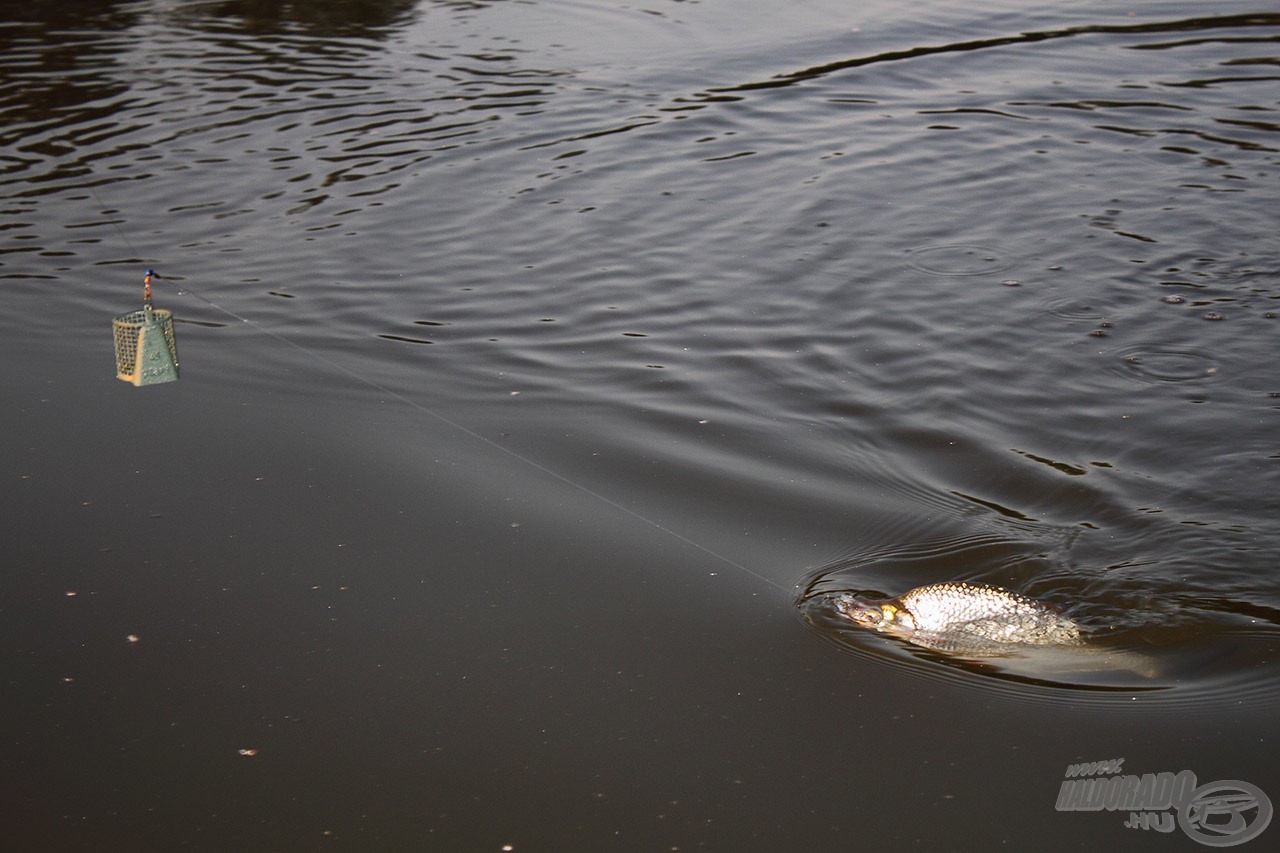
x,y
568,351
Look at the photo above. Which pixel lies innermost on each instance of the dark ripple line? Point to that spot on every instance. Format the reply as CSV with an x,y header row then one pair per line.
x,y
1190,24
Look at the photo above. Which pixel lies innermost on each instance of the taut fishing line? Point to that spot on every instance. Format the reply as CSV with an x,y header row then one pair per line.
x,y
445,419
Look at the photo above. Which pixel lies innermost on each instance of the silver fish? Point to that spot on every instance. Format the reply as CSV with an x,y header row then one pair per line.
x,y
964,619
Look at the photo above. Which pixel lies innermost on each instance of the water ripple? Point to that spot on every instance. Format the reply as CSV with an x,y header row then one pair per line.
x,y
1162,363
1187,653
958,260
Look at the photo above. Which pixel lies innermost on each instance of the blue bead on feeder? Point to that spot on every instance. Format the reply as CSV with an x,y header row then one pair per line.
x,y
146,352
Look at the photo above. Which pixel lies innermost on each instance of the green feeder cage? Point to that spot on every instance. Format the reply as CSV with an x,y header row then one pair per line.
x,y
146,351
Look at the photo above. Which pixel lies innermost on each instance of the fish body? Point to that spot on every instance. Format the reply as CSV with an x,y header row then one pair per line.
x,y
964,618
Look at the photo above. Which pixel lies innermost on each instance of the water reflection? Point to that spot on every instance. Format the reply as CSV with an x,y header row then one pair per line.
x,y
340,114
317,17
774,318
56,77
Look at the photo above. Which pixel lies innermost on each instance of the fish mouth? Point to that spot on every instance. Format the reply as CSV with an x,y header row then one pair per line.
x,y
860,612
886,617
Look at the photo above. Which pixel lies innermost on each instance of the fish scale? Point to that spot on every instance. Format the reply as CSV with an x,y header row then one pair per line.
x,y
964,618
942,606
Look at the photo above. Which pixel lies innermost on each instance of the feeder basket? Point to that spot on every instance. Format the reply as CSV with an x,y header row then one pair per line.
x,y
146,352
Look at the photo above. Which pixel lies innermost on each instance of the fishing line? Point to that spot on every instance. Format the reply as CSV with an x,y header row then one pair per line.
x,y
382,389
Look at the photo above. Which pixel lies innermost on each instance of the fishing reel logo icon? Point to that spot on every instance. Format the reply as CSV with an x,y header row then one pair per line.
x,y
1225,813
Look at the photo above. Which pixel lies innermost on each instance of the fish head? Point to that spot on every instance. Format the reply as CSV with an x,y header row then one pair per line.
x,y
889,617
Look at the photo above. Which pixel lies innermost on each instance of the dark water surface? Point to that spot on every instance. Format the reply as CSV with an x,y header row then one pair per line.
x,y
546,366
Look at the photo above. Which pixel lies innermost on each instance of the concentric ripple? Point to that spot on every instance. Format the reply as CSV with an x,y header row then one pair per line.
x,y
1160,363
958,259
